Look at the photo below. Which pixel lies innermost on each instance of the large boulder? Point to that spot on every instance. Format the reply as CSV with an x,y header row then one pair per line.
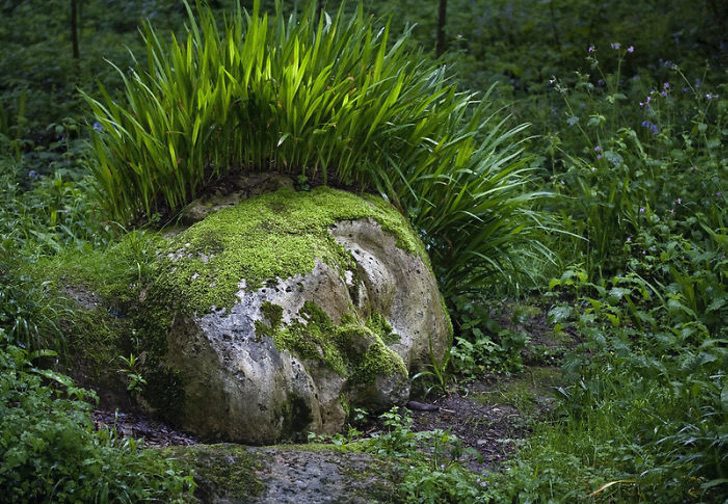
x,y
288,309
270,318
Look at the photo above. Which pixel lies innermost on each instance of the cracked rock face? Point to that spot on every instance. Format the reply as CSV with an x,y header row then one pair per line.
x,y
293,356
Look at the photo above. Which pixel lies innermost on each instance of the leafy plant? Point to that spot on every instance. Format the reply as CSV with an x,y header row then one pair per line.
x,y
642,414
132,371
636,154
329,99
482,345
52,452
441,478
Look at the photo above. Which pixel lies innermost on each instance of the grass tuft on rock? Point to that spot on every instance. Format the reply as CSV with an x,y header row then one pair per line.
x,y
330,99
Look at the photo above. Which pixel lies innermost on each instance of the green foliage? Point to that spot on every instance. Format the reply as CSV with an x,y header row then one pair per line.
x,y
646,405
27,317
131,368
641,167
482,345
41,215
441,478
265,94
51,451
637,154
640,190
49,446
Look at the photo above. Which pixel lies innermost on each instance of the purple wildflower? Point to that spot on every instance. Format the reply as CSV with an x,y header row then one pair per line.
x,y
630,49
591,49
654,129
97,127
615,45
598,148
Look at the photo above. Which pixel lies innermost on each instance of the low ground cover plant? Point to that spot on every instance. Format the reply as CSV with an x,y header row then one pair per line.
x,y
51,451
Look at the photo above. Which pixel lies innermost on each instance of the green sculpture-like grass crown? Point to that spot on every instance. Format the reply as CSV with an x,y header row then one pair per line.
x,y
329,98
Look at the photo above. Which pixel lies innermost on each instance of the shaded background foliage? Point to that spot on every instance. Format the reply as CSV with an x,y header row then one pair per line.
x,y
519,42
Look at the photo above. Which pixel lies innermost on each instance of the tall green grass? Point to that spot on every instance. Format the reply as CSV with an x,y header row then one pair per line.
x,y
332,99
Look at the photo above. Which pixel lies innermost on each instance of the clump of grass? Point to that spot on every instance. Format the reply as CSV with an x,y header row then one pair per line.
x,y
331,99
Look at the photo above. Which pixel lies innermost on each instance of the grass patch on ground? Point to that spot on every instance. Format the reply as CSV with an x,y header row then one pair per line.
x,y
528,392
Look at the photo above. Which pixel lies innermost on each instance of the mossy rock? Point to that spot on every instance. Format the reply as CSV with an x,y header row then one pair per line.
x,y
269,319
302,474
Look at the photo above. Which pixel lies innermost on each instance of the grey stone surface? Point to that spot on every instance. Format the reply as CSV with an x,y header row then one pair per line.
x,y
320,477
238,386
309,474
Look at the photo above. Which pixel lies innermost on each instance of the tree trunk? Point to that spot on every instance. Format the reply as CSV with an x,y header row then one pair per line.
x,y
74,29
441,43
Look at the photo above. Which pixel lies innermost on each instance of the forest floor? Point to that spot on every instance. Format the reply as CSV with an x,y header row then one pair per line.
x,y
492,415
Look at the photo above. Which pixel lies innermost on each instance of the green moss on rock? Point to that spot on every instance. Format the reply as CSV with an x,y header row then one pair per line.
x,y
221,472
275,235
353,349
380,325
311,338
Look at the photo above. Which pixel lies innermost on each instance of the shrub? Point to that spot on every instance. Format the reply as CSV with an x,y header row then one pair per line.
x,y
51,452
330,99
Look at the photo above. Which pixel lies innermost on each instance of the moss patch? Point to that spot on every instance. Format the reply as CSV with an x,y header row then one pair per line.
x,y
94,291
276,235
381,326
221,472
355,349
117,274
115,308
